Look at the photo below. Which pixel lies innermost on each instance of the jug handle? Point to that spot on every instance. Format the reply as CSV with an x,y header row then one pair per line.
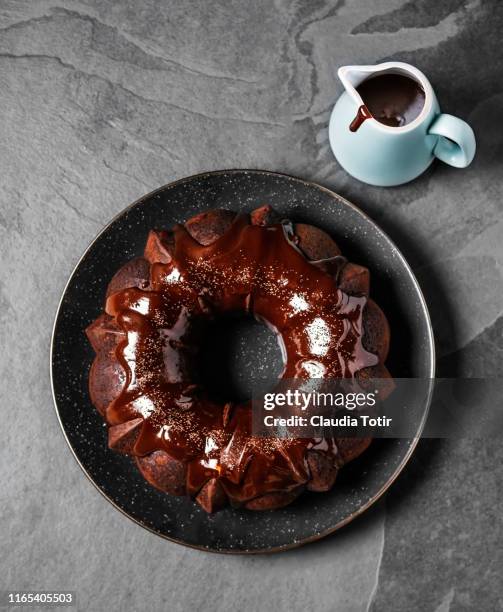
x,y
456,143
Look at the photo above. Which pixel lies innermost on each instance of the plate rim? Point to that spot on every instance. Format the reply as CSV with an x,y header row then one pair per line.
x,y
430,339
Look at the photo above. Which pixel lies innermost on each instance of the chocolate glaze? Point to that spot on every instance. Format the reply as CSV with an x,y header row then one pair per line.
x,y
250,268
362,115
392,99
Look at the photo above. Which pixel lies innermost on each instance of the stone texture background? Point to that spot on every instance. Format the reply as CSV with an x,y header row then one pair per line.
x,y
104,101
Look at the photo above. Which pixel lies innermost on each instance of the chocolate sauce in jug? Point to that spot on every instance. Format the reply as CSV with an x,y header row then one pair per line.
x,y
392,99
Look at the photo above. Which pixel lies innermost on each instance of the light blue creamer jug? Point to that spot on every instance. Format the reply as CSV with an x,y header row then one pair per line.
x,y
379,154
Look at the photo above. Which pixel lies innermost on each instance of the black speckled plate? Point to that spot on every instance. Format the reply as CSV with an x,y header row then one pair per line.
x,y
312,516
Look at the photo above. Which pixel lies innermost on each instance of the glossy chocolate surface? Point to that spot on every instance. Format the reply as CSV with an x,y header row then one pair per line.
x,y
392,99
254,269
362,115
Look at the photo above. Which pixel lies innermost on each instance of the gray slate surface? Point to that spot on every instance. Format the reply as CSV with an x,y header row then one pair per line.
x,y
102,102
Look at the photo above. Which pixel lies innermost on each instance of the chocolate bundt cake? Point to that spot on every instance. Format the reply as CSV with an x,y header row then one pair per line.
x,y
292,277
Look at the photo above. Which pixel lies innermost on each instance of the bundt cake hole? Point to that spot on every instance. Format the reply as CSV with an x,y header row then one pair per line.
x,y
237,355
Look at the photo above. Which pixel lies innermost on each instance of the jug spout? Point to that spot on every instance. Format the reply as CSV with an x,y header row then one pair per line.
x,y
352,76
